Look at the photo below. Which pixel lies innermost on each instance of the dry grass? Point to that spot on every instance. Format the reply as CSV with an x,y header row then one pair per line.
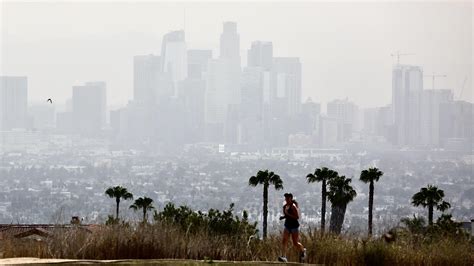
x,y
160,241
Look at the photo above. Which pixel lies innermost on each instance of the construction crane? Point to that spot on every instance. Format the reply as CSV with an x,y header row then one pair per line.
x,y
398,54
434,76
462,88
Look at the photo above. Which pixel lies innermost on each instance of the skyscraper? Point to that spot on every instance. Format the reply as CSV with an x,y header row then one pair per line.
x,y
197,62
223,83
230,43
431,101
407,85
174,57
456,125
287,84
146,78
217,91
260,54
252,113
13,102
230,58
89,107
345,114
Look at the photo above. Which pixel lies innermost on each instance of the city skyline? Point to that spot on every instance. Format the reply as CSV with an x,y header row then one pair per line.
x,y
119,93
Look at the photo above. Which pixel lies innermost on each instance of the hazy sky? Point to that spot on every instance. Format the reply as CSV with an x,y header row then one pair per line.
x,y
344,47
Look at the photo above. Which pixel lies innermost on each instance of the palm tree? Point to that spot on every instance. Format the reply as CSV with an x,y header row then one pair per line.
x,y
266,178
340,194
143,203
370,176
430,197
322,175
118,192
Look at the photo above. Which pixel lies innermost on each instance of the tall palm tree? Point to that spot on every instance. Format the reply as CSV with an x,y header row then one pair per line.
x,y
266,179
340,194
118,192
322,175
144,203
370,176
430,197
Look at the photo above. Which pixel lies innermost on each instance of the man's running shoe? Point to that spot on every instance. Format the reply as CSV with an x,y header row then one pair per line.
x,y
282,259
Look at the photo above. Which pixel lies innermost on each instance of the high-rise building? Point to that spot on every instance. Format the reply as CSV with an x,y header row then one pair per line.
x,y
260,54
223,84
456,125
43,115
309,112
286,90
217,94
345,113
13,102
230,43
89,107
197,63
407,85
252,113
328,132
192,94
147,73
174,57
430,115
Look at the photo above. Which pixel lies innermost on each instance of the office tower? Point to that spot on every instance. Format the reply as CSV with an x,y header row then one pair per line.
x,y
13,102
115,120
286,90
197,63
217,95
135,124
233,126
369,121
146,78
230,43
430,115
309,112
384,123
252,114
407,84
43,115
345,113
192,94
230,58
89,107
260,54
174,57
223,85
456,125
328,131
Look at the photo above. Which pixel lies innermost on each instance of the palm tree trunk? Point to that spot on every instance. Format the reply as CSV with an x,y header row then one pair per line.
x,y
117,209
371,205
144,215
332,219
265,210
323,206
430,214
337,218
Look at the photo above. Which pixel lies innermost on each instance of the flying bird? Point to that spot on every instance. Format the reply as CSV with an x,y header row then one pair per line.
x,y
49,100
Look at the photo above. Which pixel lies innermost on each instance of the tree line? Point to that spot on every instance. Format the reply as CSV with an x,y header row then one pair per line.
x,y
334,187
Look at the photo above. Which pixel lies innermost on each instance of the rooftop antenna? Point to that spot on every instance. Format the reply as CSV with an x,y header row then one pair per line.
x,y
434,76
398,54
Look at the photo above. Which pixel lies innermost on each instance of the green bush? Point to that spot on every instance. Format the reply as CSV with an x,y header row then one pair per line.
x,y
214,222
